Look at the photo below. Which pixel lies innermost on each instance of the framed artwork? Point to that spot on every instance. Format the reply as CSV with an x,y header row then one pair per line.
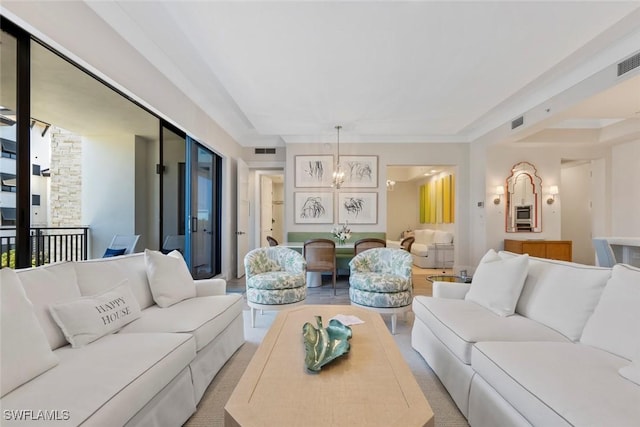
x,y
360,171
358,208
313,171
313,208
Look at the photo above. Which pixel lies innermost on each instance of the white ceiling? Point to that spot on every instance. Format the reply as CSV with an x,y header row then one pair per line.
x,y
424,71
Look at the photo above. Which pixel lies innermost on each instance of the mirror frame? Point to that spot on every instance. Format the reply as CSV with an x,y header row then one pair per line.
x,y
530,172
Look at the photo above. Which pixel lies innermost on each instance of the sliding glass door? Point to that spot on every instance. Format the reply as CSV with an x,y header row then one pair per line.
x,y
204,211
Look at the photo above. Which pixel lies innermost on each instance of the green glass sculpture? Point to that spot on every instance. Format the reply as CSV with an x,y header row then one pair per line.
x,y
322,345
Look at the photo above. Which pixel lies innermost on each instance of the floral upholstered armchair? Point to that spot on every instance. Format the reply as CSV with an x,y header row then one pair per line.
x,y
380,280
276,279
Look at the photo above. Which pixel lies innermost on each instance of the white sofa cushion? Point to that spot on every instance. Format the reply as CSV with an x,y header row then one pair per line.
x,y
420,249
497,282
85,319
46,285
561,295
614,326
424,236
25,351
98,275
559,383
459,324
442,237
107,382
169,277
204,317
632,372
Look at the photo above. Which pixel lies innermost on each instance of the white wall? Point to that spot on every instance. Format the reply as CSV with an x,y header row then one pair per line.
x,y
576,215
403,210
625,191
108,196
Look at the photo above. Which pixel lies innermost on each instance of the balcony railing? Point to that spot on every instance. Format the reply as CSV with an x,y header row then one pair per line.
x,y
47,245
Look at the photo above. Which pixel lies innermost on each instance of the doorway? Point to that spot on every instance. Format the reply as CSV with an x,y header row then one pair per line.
x,y
270,215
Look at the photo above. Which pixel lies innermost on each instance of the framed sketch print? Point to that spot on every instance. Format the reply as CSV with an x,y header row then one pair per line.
x,y
358,208
313,171
360,171
313,208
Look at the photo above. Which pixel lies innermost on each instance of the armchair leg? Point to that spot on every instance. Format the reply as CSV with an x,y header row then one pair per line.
x,y
394,321
253,317
334,284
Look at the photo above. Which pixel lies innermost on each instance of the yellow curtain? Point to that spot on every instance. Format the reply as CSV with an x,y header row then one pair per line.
x,y
446,199
423,204
453,198
437,201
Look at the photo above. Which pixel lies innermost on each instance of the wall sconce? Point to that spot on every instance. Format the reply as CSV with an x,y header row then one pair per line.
x,y
390,185
499,193
553,190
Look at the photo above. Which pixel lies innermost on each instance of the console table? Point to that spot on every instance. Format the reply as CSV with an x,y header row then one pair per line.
x,y
551,249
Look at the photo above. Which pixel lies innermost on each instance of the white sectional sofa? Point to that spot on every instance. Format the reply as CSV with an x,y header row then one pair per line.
x,y
150,368
565,351
431,249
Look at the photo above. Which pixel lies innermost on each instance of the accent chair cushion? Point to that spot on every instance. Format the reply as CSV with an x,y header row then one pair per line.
x,y
113,252
614,325
86,319
380,299
497,282
169,277
25,351
276,297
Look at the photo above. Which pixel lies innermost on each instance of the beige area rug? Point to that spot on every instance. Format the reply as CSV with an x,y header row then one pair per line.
x,y
211,408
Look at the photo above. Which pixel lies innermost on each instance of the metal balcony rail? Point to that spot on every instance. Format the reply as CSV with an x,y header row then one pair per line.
x,y
47,245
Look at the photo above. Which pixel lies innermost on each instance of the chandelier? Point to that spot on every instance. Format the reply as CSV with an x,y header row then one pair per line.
x,y
338,174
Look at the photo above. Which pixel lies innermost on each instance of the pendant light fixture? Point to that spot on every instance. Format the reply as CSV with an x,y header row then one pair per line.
x,y
338,174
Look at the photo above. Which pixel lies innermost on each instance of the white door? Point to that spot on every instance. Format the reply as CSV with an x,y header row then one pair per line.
x,y
242,220
266,209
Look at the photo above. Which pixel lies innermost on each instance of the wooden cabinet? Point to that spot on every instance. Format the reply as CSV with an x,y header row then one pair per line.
x,y
552,249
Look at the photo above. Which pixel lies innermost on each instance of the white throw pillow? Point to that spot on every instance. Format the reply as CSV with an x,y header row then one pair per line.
x,y
561,295
85,319
25,350
169,277
614,325
497,282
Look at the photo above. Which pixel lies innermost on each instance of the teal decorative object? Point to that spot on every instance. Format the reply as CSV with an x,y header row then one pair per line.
x,y
322,345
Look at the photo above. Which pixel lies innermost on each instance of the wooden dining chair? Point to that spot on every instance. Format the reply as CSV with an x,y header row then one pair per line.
x,y
368,243
320,255
272,241
407,242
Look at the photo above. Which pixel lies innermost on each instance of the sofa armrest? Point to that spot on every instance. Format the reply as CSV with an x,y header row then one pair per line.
x,y
210,287
450,290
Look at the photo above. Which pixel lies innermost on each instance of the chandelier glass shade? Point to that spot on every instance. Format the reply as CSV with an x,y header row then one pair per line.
x,y
338,173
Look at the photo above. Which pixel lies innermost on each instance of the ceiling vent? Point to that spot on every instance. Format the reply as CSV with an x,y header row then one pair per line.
x,y
629,64
517,122
265,151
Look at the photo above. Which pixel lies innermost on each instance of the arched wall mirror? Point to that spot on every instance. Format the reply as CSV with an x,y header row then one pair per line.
x,y
524,199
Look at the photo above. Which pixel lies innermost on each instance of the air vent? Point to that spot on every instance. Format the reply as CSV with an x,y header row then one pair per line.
x,y
629,64
265,151
517,122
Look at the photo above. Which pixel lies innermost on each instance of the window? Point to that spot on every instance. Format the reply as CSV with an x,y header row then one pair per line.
x,y
8,216
35,199
8,182
8,148
35,169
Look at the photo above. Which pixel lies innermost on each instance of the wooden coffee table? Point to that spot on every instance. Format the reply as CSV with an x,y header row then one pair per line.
x,y
370,386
